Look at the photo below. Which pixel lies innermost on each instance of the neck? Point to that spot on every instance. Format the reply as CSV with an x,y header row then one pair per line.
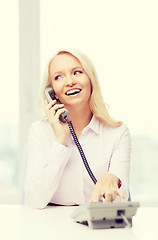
x,y
80,118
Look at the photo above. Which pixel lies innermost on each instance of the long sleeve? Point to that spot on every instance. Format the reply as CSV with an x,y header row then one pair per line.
x,y
56,173
46,162
120,159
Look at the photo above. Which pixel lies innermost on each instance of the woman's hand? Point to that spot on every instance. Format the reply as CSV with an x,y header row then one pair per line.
x,y
61,129
107,186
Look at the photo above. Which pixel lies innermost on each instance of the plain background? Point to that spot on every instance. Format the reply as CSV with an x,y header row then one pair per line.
x,y
120,37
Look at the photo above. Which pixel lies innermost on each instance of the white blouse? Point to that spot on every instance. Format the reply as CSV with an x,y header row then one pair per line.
x,y
56,173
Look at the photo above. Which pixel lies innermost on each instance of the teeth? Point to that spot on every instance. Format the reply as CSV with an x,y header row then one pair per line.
x,y
71,92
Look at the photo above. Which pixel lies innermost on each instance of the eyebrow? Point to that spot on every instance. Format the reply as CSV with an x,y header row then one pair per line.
x,y
58,72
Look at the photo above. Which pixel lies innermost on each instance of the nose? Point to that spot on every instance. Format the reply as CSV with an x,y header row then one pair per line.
x,y
70,81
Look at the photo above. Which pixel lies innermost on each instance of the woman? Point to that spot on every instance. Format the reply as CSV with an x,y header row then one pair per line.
x,y
55,172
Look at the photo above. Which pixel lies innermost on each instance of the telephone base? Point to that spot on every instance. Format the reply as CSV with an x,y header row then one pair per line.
x,y
107,223
106,215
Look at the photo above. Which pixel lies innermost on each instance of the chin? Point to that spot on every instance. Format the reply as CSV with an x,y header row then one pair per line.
x,y
77,103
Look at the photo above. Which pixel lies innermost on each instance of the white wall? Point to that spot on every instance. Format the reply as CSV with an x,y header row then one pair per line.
x,y
29,73
9,100
121,39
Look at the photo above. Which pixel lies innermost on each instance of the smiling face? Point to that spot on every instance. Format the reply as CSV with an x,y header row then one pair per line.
x,y
70,82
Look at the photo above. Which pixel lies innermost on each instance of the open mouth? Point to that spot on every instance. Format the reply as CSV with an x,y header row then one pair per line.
x,y
73,92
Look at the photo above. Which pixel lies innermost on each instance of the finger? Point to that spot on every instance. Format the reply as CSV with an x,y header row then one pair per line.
x,y
113,195
52,108
56,107
60,111
95,197
49,105
110,194
113,190
108,197
120,194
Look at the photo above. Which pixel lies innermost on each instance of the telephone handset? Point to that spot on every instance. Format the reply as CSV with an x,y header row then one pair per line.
x,y
50,95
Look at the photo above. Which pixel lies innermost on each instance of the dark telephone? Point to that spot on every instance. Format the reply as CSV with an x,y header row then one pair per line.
x,y
50,95
98,215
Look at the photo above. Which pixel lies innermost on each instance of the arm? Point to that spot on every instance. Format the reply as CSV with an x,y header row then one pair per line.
x,y
120,161
108,184
47,159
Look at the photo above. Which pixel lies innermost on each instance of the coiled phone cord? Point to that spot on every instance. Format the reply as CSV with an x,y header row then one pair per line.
x,y
81,151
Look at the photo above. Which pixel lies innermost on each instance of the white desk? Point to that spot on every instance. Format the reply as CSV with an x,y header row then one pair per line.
x,y
18,222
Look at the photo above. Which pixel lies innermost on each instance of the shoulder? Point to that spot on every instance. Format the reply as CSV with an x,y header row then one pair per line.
x,y
41,128
115,132
40,124
116,136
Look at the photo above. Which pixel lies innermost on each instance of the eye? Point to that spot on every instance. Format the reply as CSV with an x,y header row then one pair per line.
x,y
77,72
57,77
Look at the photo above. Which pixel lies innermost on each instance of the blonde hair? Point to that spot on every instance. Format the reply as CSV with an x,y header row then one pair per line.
x,y
97,105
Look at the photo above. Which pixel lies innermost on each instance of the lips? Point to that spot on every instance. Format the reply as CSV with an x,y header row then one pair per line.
x,y
73,91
